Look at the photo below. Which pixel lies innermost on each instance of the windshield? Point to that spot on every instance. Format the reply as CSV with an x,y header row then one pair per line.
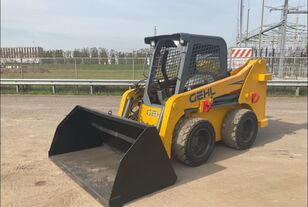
x,y
165,68
166,61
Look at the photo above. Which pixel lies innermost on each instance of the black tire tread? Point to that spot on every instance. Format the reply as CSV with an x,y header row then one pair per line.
x,y
230,127
181,136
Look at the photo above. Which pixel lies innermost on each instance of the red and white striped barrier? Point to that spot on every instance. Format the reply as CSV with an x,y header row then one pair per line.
x,y
239,56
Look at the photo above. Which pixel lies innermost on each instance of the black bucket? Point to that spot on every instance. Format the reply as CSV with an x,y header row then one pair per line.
x,y
115,159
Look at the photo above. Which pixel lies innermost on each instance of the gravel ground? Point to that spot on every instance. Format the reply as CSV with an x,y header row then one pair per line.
x,y
272,173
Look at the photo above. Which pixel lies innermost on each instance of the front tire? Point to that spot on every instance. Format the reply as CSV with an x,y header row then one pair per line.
x,y
240,128
194,141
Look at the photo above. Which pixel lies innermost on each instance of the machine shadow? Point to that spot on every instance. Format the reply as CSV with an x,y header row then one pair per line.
x,y
275,131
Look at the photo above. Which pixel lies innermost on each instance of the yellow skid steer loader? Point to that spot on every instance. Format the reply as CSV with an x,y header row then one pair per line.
x,y
189,101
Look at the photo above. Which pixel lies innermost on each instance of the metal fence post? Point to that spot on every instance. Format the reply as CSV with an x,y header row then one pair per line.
x,y
91,90
133,68
272,64
297,91
53,88
17,88
76,69
21,69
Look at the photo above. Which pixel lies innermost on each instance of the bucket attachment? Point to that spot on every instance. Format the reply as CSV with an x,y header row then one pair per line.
x,y
115,159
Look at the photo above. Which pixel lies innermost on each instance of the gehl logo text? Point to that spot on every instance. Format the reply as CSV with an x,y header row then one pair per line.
x,y
151,112
199,95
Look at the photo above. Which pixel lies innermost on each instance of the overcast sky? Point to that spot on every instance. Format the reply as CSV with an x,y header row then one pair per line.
x,y
121,24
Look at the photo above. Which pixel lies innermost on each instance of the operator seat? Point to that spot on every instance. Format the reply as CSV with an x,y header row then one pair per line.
x,y
200,79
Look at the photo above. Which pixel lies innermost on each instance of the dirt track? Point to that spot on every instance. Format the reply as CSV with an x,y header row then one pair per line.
x,y
272,173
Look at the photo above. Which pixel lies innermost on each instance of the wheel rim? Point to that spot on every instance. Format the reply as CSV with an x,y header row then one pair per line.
x,y
247,130
200,142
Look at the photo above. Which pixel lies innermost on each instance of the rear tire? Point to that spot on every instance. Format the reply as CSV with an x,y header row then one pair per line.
x,y
194,141
240,128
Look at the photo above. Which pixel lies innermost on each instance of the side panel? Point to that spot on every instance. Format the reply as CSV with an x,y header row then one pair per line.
x,y
251,78
176,105
136,94
125,97
254,90
149,114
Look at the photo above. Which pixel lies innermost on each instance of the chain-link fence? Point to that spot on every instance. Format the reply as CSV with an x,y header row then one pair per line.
x,y
121,68
293,67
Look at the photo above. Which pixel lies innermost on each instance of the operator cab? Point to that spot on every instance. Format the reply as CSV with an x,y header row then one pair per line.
x,y
182,62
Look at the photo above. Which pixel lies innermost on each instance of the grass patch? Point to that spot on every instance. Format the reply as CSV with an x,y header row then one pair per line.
x,y
67,71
